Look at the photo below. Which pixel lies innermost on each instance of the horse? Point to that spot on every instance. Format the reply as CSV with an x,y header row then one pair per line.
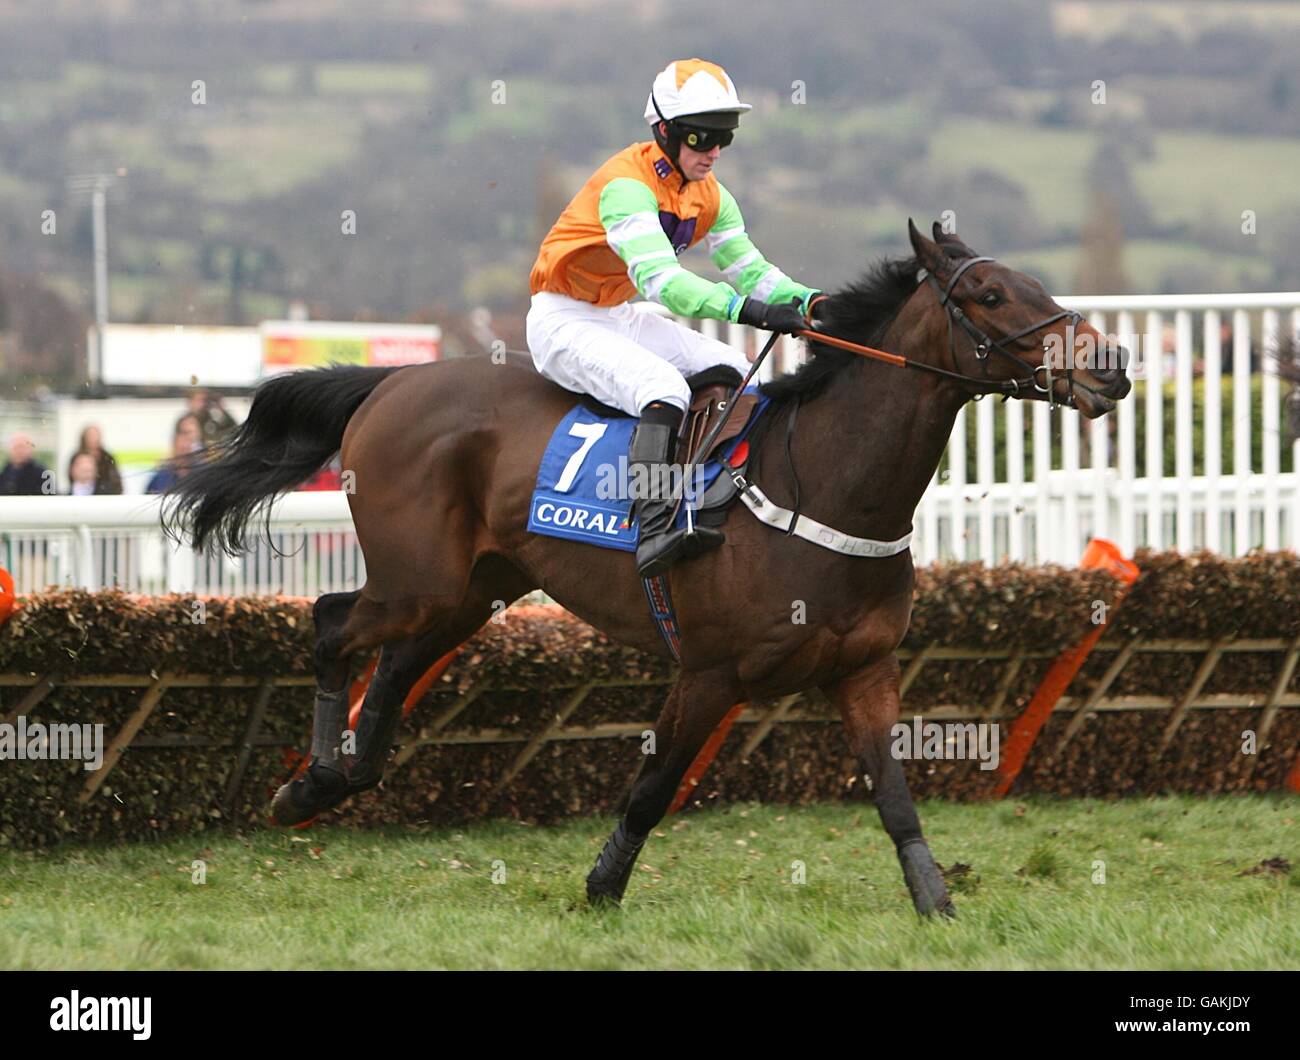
x,y
443,457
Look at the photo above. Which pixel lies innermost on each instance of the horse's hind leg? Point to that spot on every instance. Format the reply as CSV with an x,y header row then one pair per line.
x,y
868,701
323,784
339,771
403,662
413,633
695,706
401,665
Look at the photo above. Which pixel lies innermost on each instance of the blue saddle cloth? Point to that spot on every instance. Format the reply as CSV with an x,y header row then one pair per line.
x,y
581,491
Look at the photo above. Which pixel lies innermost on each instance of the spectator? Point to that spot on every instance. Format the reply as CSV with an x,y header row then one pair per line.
x,y
330,477
187,439
23,475
108,479
215,423
82,473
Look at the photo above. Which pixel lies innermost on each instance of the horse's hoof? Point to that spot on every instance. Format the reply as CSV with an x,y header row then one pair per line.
x,y
924,882
302,800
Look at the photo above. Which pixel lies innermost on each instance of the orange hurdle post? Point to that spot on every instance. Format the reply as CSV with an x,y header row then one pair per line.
x,y
705,758
1024,732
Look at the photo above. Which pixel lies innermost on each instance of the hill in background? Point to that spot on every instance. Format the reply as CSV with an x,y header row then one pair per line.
x,y
456,132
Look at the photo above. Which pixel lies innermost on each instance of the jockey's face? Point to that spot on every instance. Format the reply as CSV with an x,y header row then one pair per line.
x,y
696,164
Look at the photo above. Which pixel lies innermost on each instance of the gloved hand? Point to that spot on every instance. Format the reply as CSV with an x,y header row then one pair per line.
x,y
785,318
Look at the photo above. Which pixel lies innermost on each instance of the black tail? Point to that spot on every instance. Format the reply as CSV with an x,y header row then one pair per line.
x,y
295,425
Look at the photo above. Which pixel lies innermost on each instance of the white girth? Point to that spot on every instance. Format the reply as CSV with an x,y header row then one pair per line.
x,y
766,511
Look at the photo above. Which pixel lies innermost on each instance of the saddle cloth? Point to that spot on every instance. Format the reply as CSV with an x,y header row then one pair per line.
x,y
581,490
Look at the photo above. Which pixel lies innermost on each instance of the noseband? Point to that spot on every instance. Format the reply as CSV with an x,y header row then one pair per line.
x,y
984,343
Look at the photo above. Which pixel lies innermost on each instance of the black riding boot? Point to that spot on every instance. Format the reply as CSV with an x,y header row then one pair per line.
x,y
660,543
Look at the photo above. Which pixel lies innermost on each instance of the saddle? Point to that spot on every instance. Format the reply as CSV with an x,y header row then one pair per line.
x,y
709,391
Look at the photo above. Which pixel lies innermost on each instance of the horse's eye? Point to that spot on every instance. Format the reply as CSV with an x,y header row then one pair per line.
x,y
991,299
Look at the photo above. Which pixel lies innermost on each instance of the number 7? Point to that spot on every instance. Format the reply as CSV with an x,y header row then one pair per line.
x,y
592,432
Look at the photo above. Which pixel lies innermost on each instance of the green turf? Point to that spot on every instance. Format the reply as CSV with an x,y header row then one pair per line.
x,y
713,890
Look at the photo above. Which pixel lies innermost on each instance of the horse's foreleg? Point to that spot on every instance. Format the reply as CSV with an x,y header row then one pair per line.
x,y
868,701
695,706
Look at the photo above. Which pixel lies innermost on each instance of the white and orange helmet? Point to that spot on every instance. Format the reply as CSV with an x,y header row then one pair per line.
x,y
694,93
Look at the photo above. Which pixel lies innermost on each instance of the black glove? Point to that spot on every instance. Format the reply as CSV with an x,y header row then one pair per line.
x,y
785,319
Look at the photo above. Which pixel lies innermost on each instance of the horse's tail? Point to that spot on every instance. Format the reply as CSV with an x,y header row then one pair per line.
x,y
294,426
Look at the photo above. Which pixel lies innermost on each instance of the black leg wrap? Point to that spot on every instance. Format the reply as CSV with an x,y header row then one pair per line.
x,y
376,730
608,880
327,726
328,780
929,893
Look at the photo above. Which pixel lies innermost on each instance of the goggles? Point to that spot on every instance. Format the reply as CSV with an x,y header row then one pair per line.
x,y
702,140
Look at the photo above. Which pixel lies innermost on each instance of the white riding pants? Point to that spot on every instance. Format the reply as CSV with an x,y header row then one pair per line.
x,y
623,357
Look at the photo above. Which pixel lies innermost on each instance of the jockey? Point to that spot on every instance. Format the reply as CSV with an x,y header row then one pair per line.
x,y
620,236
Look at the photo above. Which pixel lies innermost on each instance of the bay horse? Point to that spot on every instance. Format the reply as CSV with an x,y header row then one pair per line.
x,y
443,459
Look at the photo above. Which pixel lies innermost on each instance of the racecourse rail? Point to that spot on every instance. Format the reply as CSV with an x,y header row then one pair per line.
x,y
1085,479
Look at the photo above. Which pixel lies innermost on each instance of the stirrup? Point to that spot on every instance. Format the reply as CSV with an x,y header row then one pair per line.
x,y
654,555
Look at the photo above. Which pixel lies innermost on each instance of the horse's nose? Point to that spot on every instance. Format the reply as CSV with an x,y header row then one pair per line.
x,y
1112,361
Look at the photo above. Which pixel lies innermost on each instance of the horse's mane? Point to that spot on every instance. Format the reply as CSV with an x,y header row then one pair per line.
x,y
862,312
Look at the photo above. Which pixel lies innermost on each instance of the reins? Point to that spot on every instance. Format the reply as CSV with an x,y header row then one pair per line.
x,y
982,342
1008,388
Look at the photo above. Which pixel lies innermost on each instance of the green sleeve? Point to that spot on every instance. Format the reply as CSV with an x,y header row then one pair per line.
x,y
737,258
629,213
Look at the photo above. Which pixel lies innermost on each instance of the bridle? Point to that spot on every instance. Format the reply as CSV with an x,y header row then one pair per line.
x,y
980,385
983,343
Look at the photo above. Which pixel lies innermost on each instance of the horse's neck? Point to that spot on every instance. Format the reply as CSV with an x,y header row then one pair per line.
x,y
868,446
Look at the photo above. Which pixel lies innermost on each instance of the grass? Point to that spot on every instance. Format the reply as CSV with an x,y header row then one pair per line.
x,y
367,79
1191,178
1187,178
713,890
1051,163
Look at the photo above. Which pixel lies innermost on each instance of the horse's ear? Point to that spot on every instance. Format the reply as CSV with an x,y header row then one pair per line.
x,y
927,251
951,239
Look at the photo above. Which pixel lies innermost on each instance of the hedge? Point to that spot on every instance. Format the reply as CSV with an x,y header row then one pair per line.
x,y
534,657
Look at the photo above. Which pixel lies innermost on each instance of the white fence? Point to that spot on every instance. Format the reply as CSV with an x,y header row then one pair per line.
x,y
1020,483
1112,480
93,542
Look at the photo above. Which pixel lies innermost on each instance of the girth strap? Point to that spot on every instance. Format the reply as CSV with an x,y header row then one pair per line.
x,y
771,513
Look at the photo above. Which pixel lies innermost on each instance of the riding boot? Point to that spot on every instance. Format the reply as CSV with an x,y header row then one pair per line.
x,y
654,501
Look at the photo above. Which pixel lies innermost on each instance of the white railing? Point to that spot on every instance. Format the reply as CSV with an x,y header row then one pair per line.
x,y
1082,478
1109,481
98,542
